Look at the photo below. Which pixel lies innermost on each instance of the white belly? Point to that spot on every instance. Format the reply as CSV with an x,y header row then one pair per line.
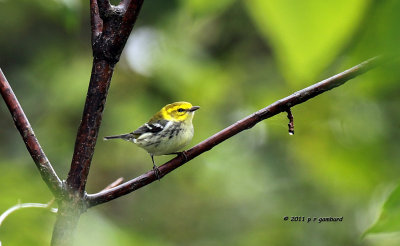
x,y
165,145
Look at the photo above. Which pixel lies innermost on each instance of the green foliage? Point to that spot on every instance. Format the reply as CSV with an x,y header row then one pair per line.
x,y
231,58
206,7
389,219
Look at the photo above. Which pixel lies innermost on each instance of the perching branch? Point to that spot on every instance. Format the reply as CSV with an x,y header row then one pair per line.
x,y
47,172
277,107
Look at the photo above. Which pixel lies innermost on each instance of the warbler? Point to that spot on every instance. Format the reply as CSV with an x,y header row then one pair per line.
x,y
167,132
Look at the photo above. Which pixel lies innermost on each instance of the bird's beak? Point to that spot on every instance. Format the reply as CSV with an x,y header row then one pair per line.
x,y
194,108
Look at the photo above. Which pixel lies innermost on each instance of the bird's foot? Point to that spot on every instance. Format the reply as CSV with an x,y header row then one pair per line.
x,y
157,172
183,153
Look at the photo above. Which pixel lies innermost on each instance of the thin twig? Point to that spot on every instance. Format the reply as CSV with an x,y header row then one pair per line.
x,y
130,12
291,123
104,8
14,208
95,20
32,144
277,107
114,184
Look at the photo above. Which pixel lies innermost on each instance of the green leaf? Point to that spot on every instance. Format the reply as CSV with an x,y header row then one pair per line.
x,y
306,35
389,219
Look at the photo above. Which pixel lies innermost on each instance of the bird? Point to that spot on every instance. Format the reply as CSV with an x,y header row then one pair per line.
x,y
167,132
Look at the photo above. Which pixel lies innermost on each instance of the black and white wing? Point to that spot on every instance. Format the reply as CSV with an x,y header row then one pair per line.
x,y
151,127
144,131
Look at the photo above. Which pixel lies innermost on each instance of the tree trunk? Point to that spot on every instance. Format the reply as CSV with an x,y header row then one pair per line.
x,y
68,216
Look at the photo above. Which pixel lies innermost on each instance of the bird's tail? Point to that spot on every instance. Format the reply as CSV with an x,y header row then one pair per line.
x,y
127,137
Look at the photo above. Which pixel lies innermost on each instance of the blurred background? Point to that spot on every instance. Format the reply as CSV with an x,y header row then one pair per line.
x,y
232,58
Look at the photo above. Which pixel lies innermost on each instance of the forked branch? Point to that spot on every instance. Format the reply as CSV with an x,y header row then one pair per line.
x,y
111,27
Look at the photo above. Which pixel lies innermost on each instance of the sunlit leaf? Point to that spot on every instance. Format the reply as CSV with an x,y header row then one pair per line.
x,y
389,219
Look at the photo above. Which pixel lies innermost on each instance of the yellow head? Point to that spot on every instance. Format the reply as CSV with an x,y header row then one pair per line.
x,y
177,111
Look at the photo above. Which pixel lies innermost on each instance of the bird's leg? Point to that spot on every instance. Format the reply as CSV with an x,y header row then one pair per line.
x,y
155,168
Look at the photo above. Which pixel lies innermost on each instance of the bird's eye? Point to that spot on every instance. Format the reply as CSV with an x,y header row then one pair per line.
x,y
180,110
